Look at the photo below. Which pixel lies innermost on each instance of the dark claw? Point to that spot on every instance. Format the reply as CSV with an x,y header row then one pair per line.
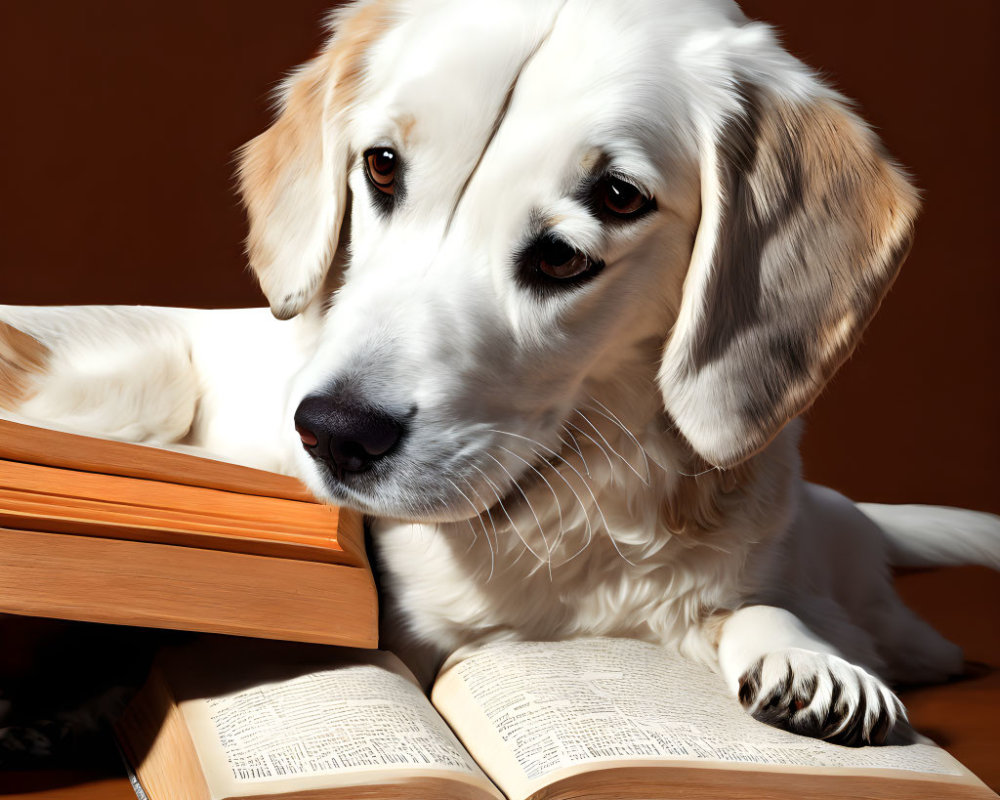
x,y
883,723
787,707
750,684
778,708
833,714
852,734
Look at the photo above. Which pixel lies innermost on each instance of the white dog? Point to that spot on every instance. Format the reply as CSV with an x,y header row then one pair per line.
x,y
561,272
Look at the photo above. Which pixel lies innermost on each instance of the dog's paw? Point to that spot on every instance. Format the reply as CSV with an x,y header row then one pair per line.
x,y
820,695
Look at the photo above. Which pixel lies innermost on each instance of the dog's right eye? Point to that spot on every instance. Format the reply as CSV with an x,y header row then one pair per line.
x,y
550,263
560,261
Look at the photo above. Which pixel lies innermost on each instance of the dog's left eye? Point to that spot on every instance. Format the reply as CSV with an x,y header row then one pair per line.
x,y
380,167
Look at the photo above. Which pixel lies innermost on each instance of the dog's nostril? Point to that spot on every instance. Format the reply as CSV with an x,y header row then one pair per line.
x,y
308,437
348,436
375,434
349,456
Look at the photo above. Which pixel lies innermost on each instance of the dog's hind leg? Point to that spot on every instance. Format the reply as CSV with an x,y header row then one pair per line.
x,y
217,380
914,652
122,372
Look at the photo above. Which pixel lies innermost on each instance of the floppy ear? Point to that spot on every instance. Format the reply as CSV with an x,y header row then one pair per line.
x,y
293,177
804,225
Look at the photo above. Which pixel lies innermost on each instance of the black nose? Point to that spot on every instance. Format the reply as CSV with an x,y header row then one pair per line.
x,y
346,435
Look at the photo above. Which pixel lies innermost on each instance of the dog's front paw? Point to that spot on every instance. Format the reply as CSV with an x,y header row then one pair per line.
x,y
819,695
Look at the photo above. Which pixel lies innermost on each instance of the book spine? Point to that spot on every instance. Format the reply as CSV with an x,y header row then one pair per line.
x,y
133,779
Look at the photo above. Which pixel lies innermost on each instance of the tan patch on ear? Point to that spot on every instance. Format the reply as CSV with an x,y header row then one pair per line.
x,y
815,224
266,156
355,35
847,182
22,358
284,179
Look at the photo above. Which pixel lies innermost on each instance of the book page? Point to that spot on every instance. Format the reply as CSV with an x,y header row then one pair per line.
x,y
308,728
549,706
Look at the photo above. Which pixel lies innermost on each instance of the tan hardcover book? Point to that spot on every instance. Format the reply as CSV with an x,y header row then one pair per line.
x,y
596,718
107,531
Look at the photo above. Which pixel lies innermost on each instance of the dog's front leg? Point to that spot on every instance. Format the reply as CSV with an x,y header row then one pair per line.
x,y
786,676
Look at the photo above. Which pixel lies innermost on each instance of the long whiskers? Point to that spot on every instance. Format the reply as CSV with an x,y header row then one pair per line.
x,y
590,491
475,535
714,468
624,460
608,414
531,508
645,453
603,452
555,498
583,506
480,517
496,491
575,446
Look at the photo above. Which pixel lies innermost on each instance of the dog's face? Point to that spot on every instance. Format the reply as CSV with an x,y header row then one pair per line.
x,y
500,211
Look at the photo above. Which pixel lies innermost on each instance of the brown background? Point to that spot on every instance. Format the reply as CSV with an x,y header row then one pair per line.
x,y
120,120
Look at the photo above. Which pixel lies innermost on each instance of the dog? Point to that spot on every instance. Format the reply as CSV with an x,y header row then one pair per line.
x,y
550,282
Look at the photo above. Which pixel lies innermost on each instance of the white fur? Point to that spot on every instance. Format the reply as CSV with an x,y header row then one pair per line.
x,y
527,499
924,536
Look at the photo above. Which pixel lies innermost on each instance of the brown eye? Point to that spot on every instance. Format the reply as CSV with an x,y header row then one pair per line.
x,y
623,199
550,264
380,166
558,260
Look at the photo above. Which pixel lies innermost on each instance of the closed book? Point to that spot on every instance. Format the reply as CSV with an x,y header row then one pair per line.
x,y
107,531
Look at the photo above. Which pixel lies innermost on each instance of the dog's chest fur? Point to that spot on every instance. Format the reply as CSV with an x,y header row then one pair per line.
x,y
619,543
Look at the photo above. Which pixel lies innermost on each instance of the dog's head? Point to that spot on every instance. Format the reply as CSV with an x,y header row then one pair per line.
x,y
494,212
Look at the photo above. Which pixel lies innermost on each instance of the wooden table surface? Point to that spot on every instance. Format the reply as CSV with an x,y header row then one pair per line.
x,y
963,603
65,785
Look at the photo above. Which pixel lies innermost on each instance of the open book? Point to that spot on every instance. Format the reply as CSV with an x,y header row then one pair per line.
x,y
593,718
107,531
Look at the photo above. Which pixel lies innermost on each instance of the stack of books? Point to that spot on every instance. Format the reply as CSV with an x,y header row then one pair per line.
x,y
106,531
